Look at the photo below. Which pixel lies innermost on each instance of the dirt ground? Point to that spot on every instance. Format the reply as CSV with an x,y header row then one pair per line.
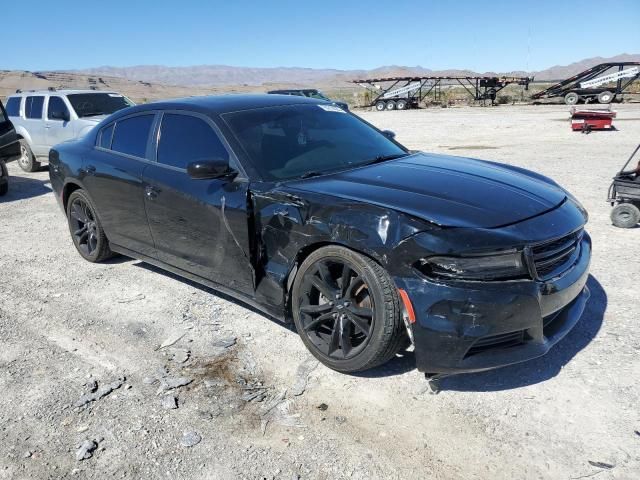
x,y
250,401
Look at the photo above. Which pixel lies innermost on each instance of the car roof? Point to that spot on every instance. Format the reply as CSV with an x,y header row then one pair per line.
x,y
220,104
64,91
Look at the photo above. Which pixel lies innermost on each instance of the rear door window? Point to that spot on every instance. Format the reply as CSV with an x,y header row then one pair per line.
x,y
33,107
132,134
13,106
185,139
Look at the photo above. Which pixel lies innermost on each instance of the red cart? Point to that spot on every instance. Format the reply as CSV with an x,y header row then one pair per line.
x,y
586,120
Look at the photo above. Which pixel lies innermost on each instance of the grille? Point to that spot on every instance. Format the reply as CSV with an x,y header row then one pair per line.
x,y
503,340
554,257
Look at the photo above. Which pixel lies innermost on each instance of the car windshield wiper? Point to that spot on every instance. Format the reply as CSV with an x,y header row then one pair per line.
x,y
92,114
312,173
384,158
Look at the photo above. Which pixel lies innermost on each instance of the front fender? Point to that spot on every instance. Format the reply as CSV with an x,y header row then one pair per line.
x,y
22,132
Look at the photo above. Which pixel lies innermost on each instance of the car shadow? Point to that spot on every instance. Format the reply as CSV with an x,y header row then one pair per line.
x,y
204,288
21,188
542,368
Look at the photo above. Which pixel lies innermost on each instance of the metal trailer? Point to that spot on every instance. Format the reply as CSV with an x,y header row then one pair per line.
x,y
401,93
594,83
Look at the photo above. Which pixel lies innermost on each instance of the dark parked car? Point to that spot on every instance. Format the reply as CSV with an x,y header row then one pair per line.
x,y
9,148
314,216
310,93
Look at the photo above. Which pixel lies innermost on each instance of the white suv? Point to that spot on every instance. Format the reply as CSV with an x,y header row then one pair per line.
x,y
47,117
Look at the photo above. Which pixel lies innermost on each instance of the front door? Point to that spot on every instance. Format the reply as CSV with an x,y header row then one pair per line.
x,y
113,178
58,125
200,226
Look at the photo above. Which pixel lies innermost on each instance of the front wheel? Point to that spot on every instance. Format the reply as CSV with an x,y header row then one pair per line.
x,y
4,179
625,215
605,97
27,160
86,229
346,310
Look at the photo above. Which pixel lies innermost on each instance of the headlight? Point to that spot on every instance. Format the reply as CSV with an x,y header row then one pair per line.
x,y
503,266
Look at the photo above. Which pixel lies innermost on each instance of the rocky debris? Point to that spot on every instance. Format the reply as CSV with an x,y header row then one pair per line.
x,y
171,340
169,402
179,355
27,454
225,342
99,393
340,419
91,385
302,376
170,383
323,407
139,296
85,450
190,439
604,466
278,409
253,391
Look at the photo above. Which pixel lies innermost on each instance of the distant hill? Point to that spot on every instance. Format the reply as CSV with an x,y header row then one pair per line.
x,y
224,75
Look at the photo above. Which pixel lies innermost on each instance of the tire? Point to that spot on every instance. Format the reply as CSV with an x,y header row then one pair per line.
x,y
605,97
380,106
391,105
401,104
365,306
85,228
27,160
625,215
571,98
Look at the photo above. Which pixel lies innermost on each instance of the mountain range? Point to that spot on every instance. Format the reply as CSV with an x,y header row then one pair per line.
x,y
225,75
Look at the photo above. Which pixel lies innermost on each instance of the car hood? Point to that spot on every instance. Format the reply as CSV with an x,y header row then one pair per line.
x,y
449,191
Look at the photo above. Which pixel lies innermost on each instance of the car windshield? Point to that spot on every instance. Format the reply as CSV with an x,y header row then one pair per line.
x,y
93,104
294,141
318,95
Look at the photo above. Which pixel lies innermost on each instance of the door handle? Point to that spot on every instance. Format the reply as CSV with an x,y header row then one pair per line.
x,y
151,192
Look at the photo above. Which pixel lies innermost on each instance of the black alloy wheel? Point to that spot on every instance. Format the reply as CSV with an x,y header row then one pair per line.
x,y
86,230
346,310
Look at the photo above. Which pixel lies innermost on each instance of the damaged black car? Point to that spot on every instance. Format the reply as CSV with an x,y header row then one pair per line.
x,y
316,217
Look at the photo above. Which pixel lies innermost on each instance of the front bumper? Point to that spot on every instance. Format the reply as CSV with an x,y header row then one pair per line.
x,y
475,326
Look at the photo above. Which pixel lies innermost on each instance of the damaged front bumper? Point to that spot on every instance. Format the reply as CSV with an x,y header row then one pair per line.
x,y
475,326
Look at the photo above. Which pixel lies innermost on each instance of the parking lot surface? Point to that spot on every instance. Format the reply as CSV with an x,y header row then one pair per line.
x,y
251,403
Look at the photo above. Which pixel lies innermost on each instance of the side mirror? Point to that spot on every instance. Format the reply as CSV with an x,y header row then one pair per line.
x,y
59,115
215,168
389,134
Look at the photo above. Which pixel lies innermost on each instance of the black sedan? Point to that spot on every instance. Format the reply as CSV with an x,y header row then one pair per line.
x,y
312,215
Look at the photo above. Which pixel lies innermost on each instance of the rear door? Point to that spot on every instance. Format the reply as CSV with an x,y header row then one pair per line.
x,y
9,146
58,125
34,124
113,178
199,226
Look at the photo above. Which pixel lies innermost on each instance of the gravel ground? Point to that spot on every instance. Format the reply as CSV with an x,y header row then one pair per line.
x,y
120,370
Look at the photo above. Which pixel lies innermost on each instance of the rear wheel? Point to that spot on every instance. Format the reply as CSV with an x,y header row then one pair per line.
x,y
27,160
625,215
380,106
391,105
571,98
401,104
86,229
605,97
346,310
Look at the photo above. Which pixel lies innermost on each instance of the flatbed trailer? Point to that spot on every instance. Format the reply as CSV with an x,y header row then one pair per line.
x,y
603,83
401,93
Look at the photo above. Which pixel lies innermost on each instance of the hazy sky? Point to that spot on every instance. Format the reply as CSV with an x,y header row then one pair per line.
x,y
518,35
